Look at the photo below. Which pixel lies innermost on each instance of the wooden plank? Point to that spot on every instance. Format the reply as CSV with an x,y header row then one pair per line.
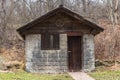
x,y
75,53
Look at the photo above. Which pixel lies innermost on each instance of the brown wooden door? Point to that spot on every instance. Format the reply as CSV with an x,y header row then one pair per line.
x,y
74,53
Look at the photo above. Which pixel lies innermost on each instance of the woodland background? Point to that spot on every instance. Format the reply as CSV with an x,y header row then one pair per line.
x,y
16,13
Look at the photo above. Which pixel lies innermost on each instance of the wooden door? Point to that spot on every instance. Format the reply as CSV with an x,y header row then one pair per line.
x,y
74,53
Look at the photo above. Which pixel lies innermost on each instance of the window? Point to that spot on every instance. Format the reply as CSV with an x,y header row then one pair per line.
x,y
50,41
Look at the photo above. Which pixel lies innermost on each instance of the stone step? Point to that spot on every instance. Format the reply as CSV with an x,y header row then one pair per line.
x,y
80,76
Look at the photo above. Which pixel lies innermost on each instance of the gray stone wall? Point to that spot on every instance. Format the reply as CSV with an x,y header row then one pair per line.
x,y
45,61
88,53
55,61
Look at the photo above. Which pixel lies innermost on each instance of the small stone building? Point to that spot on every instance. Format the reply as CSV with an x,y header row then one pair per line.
x,y
59,41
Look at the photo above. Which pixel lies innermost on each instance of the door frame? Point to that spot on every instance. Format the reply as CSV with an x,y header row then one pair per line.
x,y
72,35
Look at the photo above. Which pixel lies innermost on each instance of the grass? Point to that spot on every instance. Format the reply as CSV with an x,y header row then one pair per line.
x,y
105,74
99,74
22,75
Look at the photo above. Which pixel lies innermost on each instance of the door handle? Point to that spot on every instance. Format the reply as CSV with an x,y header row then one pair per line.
x,y
69,51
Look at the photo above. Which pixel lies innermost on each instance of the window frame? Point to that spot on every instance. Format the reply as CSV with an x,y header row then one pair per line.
x,y
47,43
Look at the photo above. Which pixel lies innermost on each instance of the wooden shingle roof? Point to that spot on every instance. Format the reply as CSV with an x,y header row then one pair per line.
x,y
55,11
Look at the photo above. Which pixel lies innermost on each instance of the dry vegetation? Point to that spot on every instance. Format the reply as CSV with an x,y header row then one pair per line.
x,y
12,57
108,42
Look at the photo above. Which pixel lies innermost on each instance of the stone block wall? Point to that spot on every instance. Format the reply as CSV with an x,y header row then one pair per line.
x,y
45,61
55,61
88,53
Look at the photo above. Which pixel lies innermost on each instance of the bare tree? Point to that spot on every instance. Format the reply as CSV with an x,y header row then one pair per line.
x,y
3,21
113,10
84,5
